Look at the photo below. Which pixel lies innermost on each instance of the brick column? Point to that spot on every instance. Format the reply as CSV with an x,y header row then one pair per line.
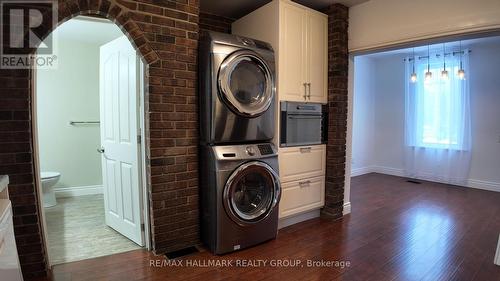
x,y
338,60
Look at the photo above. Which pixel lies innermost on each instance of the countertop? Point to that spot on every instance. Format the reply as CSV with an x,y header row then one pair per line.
x,y
4,182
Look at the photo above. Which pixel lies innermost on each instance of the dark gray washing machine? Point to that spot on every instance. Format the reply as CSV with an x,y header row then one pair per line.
x,y
239,192
236,88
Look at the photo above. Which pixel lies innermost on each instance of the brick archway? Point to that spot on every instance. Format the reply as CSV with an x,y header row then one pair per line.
x,y
166,36
119,12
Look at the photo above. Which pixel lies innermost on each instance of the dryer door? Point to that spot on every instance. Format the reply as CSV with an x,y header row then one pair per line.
x,y
246,84
252,191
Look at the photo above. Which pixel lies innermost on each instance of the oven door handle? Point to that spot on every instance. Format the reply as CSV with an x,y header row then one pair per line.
x,y
305,117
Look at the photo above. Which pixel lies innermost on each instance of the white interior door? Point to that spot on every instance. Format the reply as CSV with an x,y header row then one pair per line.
x,y
119,91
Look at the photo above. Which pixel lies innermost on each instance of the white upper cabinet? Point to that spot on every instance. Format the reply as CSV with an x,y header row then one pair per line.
x,y
317,54
300,40
293,62
303,58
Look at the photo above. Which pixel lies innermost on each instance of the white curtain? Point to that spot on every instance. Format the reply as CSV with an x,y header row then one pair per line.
x,y
437,120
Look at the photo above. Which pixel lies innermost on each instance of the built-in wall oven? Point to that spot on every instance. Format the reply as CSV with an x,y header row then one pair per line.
x,y
302,124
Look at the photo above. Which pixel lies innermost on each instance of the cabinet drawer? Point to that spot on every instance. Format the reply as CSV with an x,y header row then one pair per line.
x,y
302,196
298,163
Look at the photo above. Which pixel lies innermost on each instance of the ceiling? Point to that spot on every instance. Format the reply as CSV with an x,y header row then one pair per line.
x,y
88,30
438,48
235,9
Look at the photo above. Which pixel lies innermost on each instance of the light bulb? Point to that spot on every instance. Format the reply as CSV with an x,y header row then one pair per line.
x,y
428,76
461,74
413,77
444,74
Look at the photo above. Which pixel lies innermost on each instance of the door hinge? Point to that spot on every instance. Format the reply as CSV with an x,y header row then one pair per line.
x,y
139,139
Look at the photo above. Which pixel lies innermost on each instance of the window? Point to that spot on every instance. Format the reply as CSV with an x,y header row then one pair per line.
x,y
437,108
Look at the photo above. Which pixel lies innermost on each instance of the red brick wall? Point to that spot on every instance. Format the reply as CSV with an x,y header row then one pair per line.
x,y
338,60
215,23
166,34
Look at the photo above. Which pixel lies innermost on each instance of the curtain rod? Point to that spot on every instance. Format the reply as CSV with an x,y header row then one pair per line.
x,y
438,55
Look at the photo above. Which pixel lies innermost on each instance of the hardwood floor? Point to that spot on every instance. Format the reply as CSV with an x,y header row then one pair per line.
x,y
396,231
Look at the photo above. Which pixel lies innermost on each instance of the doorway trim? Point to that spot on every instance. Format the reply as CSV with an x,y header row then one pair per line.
x,y
438,38
143,155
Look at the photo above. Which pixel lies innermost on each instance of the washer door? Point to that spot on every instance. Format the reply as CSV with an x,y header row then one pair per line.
x,y
251,192
246,84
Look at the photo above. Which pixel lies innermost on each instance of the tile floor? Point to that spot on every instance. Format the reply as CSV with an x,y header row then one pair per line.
x,y
77,231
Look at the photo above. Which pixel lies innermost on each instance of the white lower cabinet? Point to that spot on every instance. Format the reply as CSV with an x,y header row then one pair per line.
x,y
302,174
9,260
297,163
302,196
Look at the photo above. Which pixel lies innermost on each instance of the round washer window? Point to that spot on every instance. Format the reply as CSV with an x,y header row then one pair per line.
x,y
251,192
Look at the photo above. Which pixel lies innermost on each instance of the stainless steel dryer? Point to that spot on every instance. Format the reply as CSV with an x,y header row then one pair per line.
x,y
237,89
240,191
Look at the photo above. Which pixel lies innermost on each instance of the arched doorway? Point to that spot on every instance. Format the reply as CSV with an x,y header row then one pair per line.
x,y
89,117
167,42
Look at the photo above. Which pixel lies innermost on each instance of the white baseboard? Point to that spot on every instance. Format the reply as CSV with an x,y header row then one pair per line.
x,y
78,191
298,218
389,171
361,171
472,183
347,208
497,255
377,169
485,185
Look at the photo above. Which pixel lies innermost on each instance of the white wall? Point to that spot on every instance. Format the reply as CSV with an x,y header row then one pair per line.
x,y
70,93
379,23
485,110
363,115
387,92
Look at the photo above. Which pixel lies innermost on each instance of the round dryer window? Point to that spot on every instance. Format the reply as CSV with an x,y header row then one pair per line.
x,y
246,83
251,192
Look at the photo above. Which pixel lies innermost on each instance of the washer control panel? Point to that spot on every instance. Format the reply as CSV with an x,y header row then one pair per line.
x,y
250,150
247,151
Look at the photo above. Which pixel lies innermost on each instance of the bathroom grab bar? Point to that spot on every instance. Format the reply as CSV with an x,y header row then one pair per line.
x,y
75,123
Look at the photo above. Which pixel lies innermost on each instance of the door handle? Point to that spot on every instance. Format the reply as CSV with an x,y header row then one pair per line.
x,y
305,91
103,152
309,86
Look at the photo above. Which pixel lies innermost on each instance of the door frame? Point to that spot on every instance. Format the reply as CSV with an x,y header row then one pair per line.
x,y
143,158
408,43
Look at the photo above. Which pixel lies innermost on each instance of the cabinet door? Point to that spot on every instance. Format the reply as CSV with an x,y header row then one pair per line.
x,y
317,52
302,196
298,163
292,60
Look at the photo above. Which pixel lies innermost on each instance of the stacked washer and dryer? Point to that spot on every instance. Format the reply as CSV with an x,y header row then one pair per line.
x,y
239,183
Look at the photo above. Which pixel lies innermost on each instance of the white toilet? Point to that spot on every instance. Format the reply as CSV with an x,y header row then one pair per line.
x,y
49,179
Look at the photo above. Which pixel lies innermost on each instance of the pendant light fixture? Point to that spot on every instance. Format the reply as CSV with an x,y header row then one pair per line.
x,y
428,74
444,73
413,77
461,71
